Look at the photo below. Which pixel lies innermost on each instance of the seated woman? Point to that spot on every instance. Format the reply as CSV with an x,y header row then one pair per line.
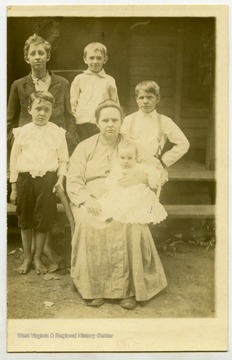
x,y
110,260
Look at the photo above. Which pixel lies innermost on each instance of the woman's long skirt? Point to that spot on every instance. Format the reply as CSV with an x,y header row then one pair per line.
x,y
114,260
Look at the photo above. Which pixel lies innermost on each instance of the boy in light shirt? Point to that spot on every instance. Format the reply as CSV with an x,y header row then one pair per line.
x,y
152,129
38,164
91,88
37,53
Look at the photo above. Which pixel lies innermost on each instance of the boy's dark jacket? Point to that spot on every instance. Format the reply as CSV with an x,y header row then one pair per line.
x,y
17,113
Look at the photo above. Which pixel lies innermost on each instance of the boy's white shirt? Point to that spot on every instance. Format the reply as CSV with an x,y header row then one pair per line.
x,y
38,149
87,91
145,131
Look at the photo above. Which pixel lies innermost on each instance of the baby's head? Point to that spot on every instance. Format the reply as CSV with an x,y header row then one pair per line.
x,y
147,94
127,154
95,56
36,40
40,107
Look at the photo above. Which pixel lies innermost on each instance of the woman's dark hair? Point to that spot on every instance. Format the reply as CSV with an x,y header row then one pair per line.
x,y
108,103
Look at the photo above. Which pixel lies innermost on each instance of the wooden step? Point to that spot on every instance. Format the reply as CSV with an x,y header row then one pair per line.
x,y
187,170
11,209
174,211
191,175
190,211
13,230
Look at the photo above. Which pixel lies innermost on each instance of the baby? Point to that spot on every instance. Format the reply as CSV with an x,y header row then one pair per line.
x,y
134,204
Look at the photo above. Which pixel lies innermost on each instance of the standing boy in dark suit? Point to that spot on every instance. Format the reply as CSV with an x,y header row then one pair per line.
x,y
37,53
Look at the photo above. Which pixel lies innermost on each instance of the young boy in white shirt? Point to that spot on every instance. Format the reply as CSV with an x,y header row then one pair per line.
x,y
91,88
38,164
37,53
152,129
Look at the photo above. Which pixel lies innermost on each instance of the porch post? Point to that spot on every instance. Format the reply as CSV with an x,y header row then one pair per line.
x,y
179,76
210,150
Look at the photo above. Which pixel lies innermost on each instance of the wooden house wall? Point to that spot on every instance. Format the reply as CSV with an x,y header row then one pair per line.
x,y
175,55
175,52
198,87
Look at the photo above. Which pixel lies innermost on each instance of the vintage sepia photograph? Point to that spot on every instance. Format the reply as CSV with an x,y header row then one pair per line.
x,y
117,178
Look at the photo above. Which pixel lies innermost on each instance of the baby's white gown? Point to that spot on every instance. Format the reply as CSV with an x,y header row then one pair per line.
x,y
135,204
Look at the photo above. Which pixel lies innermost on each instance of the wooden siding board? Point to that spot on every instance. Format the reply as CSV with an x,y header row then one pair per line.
x,y
195,133
162,81
190,112
156,60
197,143
161,40
194,123
179,76
156,51
153,70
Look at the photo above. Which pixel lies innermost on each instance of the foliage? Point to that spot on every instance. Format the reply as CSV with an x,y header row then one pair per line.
x,y
170,246
199,233
204,235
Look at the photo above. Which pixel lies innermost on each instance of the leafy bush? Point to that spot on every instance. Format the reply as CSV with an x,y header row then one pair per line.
x,y
170,235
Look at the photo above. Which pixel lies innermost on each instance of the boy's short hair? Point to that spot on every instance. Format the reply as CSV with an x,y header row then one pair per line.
x,y
95,46
36,40
148,86
42,96
107,104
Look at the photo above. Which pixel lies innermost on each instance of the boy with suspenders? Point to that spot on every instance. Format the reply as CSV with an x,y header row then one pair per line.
x,y
152,129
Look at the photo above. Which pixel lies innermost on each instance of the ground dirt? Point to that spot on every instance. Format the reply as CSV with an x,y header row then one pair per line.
x,y
188,264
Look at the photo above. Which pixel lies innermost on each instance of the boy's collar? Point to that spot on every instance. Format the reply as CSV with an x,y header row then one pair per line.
x,y
150,114
100,73
45,78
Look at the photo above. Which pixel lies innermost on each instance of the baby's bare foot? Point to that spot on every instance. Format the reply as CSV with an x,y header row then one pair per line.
x,y
39,267
24,267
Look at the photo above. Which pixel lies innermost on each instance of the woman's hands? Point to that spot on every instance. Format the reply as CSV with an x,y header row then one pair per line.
x,y
92,206
133,178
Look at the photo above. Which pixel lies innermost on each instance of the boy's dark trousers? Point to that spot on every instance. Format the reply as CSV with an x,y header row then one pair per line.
x,y
36,201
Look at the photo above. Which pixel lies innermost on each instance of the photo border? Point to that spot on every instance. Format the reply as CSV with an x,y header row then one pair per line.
x,y
211,332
